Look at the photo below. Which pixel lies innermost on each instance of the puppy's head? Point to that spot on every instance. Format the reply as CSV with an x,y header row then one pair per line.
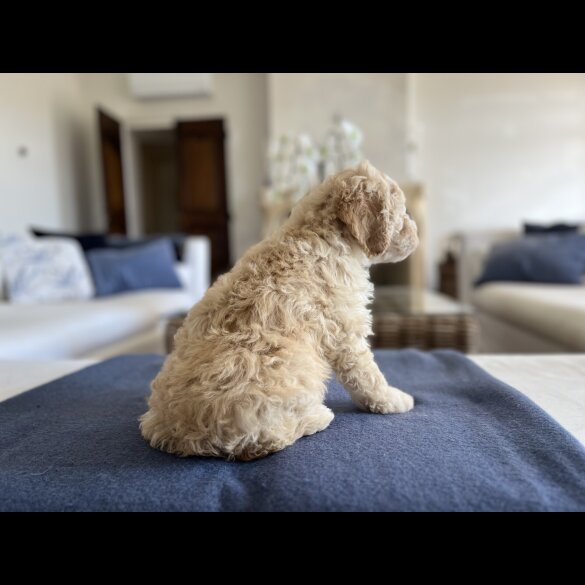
x,y
372,208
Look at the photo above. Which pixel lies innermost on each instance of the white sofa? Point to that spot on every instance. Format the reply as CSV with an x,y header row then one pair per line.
x,y
99,328
519,317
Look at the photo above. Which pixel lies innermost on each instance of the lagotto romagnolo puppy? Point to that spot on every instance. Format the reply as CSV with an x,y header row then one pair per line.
x,y
247,376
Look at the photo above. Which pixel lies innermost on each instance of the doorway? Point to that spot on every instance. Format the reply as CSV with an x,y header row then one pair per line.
x,y
157,181
169,179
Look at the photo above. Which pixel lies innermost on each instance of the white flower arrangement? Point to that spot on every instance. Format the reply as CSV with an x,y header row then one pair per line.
x,y
296,164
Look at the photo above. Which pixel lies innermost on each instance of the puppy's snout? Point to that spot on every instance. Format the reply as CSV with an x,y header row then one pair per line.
x,y
410,230
409,223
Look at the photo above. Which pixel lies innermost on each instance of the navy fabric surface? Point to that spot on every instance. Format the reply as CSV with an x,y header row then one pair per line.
x,y
150,265
471,443
556,259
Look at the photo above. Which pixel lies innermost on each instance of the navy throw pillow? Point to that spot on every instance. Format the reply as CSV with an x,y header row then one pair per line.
x,y
547,259
140,267
557,228
87,241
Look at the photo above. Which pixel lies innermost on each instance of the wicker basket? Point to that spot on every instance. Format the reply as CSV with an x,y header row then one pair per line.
x,y
394,331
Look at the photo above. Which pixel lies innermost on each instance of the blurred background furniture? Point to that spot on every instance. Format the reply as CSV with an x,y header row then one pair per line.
x,y
414,317
98,328
448,276
518,317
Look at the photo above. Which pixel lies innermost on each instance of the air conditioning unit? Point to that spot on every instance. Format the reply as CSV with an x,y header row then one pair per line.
x,y
166,85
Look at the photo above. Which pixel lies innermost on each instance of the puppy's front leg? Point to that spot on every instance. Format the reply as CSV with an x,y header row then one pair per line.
x,y
353,362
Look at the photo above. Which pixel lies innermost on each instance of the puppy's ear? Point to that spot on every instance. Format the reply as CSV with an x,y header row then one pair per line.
x,y
363,206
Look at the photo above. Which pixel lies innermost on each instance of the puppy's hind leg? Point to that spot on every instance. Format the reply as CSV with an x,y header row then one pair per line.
x,y
292,427
315,419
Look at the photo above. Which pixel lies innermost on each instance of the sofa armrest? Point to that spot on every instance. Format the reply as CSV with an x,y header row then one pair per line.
x,y
472,249
197,256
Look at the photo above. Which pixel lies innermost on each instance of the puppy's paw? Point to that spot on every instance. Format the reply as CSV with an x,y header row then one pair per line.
x,y
389,401
317,419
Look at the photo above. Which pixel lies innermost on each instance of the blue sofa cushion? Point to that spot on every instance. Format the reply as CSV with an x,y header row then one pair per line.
x,y
139,267
547,259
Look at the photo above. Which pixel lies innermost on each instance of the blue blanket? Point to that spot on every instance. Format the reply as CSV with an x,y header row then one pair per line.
x,y
471,443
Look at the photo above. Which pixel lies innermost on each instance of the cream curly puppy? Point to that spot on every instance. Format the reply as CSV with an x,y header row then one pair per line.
x,y
247,376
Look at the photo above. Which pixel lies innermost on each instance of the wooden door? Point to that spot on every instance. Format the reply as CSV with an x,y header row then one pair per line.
x,y
111,150
202,187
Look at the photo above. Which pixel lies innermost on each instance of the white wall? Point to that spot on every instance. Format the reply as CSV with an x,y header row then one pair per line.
x,y
46,188
376,102
239,98
497,149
